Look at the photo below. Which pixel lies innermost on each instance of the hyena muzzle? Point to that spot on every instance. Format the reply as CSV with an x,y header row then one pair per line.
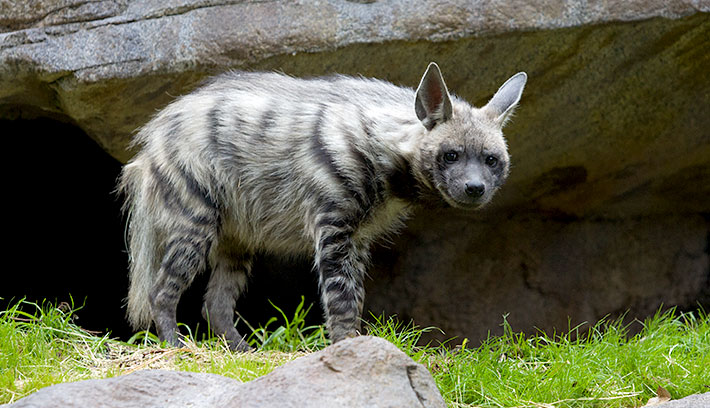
x,y
264,162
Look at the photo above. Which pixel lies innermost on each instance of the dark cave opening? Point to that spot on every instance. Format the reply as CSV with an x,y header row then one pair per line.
x,y
66,237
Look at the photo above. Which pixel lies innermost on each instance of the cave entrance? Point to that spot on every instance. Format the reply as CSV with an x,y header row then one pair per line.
x,y
65,236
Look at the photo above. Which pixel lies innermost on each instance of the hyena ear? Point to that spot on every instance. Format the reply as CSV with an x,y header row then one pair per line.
x,y
503,103
432,103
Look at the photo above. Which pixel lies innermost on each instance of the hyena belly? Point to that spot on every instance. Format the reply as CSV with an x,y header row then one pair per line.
x,y
267,163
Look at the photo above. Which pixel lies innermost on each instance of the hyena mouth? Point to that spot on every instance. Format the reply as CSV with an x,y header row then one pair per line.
x,y
470,205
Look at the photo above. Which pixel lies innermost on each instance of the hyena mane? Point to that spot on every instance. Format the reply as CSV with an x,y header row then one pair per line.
x,y
322,167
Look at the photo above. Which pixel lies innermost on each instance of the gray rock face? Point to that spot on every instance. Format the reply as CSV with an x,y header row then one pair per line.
x,y
108,64
148,388
538,270
693,401
359,372
607,205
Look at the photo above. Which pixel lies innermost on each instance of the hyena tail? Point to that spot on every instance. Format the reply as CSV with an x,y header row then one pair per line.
x,y
142,245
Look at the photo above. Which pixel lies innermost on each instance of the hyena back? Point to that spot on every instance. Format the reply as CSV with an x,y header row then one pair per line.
x,y
263,162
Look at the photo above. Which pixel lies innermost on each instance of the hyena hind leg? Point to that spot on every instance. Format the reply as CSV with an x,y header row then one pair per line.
x,y
185,256
227,282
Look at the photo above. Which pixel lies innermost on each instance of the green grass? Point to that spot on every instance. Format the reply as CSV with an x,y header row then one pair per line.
x,y
602,366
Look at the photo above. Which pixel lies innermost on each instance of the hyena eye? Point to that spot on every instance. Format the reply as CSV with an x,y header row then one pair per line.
x,y
451,156
491,161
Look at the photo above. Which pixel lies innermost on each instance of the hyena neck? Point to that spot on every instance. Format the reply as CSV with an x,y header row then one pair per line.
x,y
398,136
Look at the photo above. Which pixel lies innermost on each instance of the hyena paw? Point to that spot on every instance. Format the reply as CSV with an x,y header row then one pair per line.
x,y
339,335
173,339
240,346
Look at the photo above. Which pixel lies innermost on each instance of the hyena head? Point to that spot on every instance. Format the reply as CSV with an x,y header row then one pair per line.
x,y
463,154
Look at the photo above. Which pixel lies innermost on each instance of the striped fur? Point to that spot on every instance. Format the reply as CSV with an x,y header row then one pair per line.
x,y
263,162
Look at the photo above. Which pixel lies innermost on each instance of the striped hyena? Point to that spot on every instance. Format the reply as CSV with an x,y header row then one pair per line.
x,y
255,162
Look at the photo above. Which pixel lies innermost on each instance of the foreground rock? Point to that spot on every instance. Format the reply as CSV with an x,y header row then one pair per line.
x,y
360,372
693,401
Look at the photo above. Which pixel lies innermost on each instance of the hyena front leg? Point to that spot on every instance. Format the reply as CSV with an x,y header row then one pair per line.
x,y
341,267
185,257
228,280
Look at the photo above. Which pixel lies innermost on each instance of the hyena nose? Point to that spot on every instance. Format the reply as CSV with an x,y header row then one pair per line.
x,y
475,189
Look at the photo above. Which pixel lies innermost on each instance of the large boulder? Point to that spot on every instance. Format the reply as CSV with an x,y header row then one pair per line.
x,y
359,372
607,205
107,65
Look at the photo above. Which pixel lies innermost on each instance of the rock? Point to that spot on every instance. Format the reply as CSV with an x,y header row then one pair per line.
x,y
360,372
693,401
540,272
108,65
148,388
